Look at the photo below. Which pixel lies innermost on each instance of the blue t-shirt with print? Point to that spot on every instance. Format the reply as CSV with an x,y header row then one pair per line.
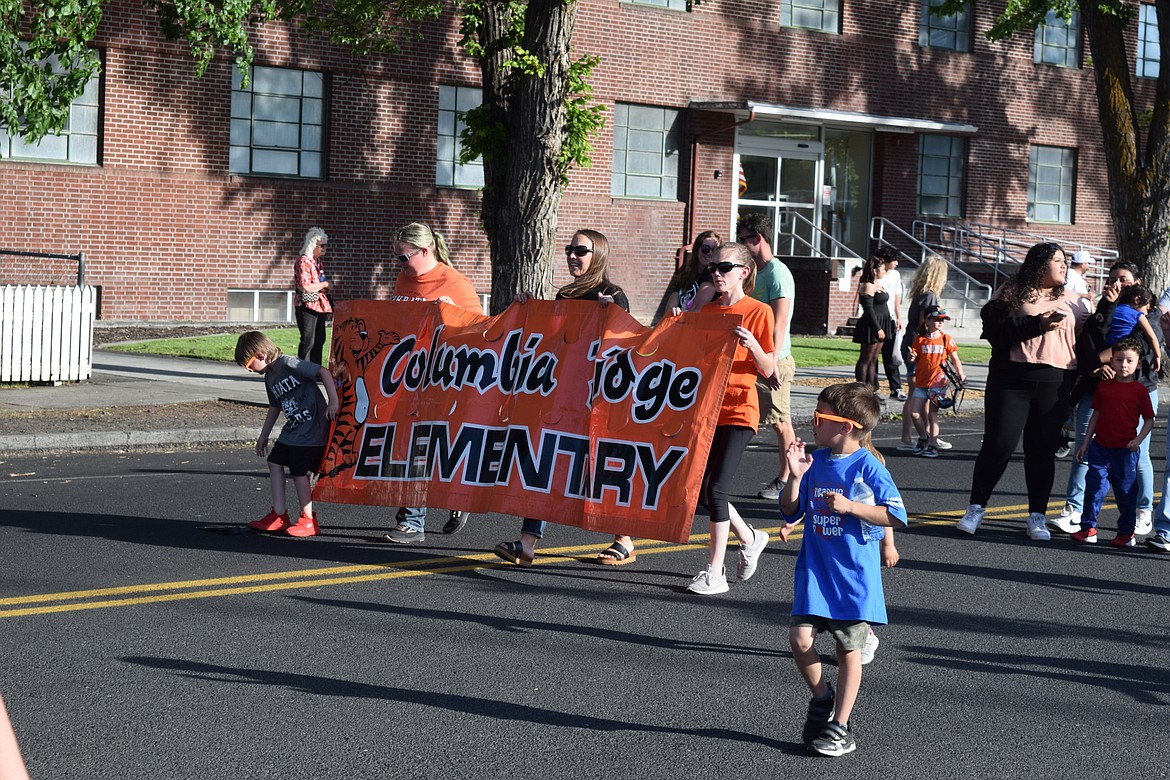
x,y
838,571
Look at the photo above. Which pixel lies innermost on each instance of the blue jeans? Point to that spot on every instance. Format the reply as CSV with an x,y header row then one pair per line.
x,y
533,527
1075,494
1114,467
412,517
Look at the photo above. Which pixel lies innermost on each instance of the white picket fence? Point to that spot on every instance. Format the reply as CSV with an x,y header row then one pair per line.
x,y
46,333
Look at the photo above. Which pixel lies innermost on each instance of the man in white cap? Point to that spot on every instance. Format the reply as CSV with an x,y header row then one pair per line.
x,y
1078,266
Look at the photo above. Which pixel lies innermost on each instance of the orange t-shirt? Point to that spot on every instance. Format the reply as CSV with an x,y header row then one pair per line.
x,y
741,405
435,283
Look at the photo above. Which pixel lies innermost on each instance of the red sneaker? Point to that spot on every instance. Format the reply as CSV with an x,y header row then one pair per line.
x,y
271,522
1085,536
306,526
1123,540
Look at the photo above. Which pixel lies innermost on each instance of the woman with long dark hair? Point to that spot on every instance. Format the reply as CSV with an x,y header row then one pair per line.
x,y
874,325
1032,324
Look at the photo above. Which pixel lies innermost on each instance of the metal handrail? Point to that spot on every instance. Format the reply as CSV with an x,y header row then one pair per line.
x,y
79,257
972,292
840,250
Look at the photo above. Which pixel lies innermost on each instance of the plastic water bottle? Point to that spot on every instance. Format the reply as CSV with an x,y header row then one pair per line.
x,y
863,494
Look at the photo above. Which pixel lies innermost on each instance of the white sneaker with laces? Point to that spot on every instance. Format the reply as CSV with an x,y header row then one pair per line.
x,y
1068,521
707,584
749,555
1145,522
871,646
1037,528
942,445
970,521
771,491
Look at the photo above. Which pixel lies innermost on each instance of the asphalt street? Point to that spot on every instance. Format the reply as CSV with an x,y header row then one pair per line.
x,y
137,644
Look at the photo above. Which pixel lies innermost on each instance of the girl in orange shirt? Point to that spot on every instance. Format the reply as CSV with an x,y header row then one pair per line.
x,y
733,274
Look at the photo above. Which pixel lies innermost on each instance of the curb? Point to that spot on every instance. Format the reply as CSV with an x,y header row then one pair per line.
x,y
47,442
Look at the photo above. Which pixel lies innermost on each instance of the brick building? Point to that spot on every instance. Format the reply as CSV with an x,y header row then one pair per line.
x,y
190,196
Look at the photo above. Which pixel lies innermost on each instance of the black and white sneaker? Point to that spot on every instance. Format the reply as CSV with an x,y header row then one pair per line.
x,y
820,713
403,534
835,740
1159,543
456,522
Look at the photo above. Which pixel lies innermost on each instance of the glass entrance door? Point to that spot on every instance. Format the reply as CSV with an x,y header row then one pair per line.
x,y
784,187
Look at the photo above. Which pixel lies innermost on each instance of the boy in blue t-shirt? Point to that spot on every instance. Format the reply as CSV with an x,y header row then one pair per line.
x,y
846,498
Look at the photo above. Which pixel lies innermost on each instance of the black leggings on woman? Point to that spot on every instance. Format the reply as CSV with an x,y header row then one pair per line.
x,y
312,327
1028,398
727,448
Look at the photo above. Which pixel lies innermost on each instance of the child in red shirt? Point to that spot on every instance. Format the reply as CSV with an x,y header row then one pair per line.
x,y
1112,447
931,349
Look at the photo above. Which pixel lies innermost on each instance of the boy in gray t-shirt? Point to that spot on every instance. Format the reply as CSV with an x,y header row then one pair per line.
x,y
292,389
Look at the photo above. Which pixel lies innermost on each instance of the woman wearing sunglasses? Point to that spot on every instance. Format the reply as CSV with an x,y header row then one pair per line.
x,y
312,299
427,275
733,275
874,325
587,256
692,287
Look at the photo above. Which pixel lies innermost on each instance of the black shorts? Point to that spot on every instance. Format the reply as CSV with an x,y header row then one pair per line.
x,y
298,460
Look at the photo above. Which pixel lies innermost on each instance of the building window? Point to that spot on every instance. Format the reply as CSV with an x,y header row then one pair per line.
x,y
646,142
1149,56
674,5
259,305
944,32
1058,42
823,15
278,123
942,160
77,143
1050,184
453,103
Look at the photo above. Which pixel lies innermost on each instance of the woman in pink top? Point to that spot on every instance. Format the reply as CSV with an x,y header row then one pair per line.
x,y
312,302
1032,324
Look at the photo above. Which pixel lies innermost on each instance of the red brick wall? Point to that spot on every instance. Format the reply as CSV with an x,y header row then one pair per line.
x,y
167,231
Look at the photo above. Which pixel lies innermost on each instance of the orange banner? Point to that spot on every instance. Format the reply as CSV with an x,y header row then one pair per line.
x,y
557,410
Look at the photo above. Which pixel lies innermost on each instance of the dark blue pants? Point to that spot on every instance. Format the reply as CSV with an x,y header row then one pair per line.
x,y
1114,467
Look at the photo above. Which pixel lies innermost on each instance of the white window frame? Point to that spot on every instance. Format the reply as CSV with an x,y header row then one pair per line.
x,y
800,14
951,32
651,138
936,185
1149,53
266,139
256,293
671,5
1051,179
454,101
1058,42
78,141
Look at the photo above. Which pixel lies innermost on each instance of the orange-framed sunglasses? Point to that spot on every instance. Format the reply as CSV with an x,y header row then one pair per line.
x,y
253,359
820,417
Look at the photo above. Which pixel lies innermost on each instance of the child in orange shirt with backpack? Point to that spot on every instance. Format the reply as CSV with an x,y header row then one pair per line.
x,y
931,349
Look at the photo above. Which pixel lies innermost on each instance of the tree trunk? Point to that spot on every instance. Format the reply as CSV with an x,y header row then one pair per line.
x,y
1139,178
522,190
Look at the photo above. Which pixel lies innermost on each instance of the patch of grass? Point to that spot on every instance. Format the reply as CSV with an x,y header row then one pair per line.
x,y
815,351
218,347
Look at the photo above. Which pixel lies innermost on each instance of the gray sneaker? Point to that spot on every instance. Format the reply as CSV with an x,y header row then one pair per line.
x,y
1038,528
970,521
771,491
403,534
749,555
707,584
835,740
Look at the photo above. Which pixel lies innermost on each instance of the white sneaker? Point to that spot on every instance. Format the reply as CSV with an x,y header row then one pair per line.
x,y
969,524
942,445
871,646
749,555
707,584
1068,521
1145,522
1037,529
771,491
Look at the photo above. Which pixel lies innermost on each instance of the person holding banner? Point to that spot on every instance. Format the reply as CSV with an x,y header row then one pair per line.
x,y
734,274
587,257
427,275
692,287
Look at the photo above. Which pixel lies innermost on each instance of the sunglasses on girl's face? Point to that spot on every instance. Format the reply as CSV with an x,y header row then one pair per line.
x,y
404,258
724,267
578,250
707,248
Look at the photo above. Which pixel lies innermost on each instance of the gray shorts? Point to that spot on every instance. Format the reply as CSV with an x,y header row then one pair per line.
x,y
850,634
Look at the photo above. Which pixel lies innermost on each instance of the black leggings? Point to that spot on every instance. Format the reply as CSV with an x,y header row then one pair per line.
x,y
893,373
312,326
1027,398
727,449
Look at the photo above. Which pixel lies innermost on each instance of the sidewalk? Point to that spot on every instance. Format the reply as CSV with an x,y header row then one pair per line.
x,y
123,379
